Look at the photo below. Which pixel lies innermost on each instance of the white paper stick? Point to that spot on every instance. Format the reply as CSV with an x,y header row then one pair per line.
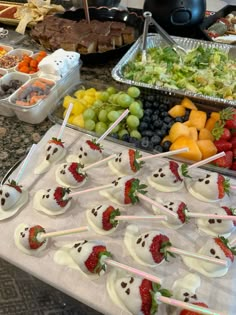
x,y
122,116
182,252
141,218
232,243
232,187
164,154
135,271
186,306
89,190
69,109
156,204
210,216
99,162
205,161
63,232
25,163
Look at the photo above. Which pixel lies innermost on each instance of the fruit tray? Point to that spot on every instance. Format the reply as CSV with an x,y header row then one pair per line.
x,y
154,40
161,97
218,293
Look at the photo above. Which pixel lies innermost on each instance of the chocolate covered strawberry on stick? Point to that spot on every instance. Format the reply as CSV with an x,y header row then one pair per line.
x,y
130,161
91,150
143,297
152,248
55,149
12,195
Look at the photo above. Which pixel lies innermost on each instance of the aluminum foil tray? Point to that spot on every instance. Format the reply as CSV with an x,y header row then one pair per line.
x,y
154,40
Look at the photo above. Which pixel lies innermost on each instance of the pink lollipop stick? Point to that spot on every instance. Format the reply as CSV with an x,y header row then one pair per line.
x,y
205,161
99,162
89,190
141,218
63,232
164,154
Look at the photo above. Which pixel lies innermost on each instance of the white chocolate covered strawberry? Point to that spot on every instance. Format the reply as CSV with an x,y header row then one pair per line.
x,y
124,190
89,256
27,239
210,187
185,288
215,227
217,247
167,178
126,162
10,194
102,218
71,175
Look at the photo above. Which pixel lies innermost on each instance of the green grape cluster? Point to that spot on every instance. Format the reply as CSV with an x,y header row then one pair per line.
x,y
110,104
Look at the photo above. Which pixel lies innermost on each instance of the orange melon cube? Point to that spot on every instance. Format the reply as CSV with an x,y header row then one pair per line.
x,y
193,133
178,129
177,111
210,123
207,148
205,134
194,152
198,118
215,115
187,103
187,123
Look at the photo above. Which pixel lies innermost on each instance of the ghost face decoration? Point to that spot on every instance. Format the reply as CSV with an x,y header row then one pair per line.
x,y
24,237
54,152
184,289
121,163
49,201
127,289
206,188
9,196
87,155
71,176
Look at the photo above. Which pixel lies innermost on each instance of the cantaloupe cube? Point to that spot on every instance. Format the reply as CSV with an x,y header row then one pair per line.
x,y
187,103
215,115
177,111
205,134
210,123
166,138
207,148
187,123
178,129
194,152
198,118
193,133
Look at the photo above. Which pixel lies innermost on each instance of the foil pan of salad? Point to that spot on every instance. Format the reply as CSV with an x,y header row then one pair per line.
x,y
206,72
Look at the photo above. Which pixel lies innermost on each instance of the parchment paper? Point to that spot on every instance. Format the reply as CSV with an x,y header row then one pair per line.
x,y
218,293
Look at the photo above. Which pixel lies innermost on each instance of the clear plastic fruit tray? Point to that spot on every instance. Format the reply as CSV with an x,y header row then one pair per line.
x,y
218,293
154,40
56,115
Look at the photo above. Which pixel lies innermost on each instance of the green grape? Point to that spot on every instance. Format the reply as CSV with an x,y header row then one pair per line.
x,y
104,96
124,100
89,124
113,115
140,113
111,90
100,127
134,108
115,129
133,91
132,122
102,115
97,104
89,113
122,132
135,134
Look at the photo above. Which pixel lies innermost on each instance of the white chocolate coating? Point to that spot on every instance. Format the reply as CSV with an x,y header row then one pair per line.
x,y
66,179
120,165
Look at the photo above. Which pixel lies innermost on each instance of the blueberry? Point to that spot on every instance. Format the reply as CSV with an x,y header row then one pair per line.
x,y
148,112
151,98
157,124
125,137
158,148
144,144
146,119
155,140
147,133
156,104
154,117
167,119
114,135
166,145
179,119
133,140
143,126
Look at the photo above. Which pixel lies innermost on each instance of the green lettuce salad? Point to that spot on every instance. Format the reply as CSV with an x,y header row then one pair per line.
x,y
202,70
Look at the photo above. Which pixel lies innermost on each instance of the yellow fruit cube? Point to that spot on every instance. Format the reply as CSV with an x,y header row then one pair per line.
x,y
207,148
67,100
91,92
78,121
187,103
194,152
78,108
205,134
79,94
193,133
177,111
198,118
178,129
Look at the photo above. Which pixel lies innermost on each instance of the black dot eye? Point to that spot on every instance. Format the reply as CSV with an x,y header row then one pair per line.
x,y
7,195
49,148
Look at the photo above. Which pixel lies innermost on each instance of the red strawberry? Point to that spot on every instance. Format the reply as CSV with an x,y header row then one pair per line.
x,y
158,248
187,312
147,291
133,186
59,194
93,262
94,146
234,153
75,168
223,145
135,165
223,243
233,141
181,212
223,186
219,132
233,132
174,169
108,218
230,211
12,183
34,243
57,142
228,115
224,161
233,166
